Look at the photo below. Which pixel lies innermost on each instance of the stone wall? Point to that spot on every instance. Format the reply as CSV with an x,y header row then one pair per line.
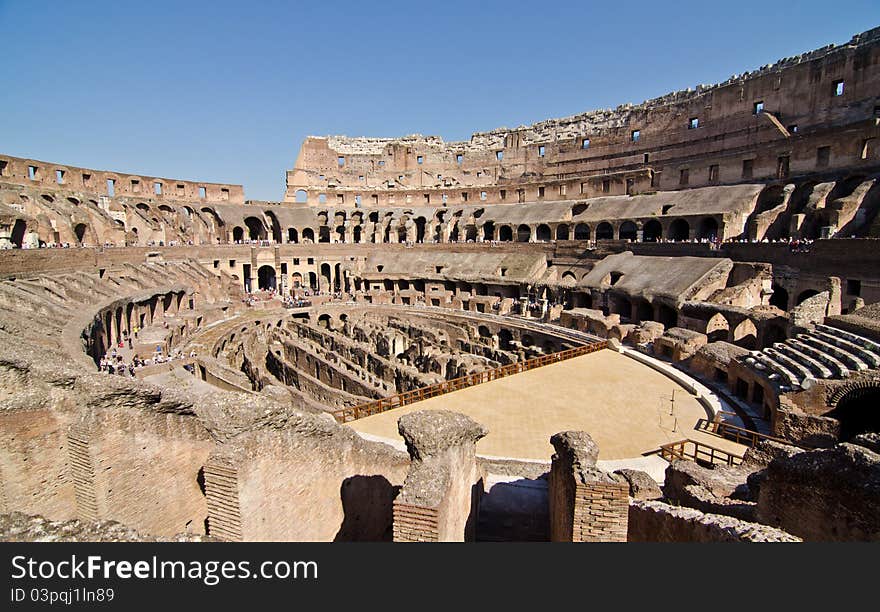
x,y
439,501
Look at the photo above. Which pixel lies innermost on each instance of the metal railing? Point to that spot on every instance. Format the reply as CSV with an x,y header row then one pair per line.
x,y
345,415
699,452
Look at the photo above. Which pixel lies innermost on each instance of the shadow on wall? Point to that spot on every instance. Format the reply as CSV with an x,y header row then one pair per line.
x,y
515,511
367,504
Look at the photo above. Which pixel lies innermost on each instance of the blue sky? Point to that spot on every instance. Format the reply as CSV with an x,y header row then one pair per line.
x,y
226,91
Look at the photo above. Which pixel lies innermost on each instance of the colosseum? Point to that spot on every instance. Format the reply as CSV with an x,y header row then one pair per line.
x,y
659,322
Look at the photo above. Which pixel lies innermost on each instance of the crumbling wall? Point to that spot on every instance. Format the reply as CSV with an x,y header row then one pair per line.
x,y
440,499
586,504
655,521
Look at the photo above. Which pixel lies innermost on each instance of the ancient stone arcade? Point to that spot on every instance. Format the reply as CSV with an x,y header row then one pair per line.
x,y
398,348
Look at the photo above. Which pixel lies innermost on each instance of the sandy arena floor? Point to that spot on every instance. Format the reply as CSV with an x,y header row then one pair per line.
x,y
622,403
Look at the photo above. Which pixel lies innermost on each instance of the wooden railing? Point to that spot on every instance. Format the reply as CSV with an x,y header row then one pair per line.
x,y
741,435
699,452
344,415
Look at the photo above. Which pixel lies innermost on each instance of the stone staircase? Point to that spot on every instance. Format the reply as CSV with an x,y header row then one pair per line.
x,y
824,352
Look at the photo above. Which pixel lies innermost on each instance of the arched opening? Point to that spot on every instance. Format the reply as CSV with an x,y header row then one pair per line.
x,y
644,311
562,232
340,233
296,280
453,233
543,233
401,233
276,227
569,279
79,231
667,316
523,233
621,305
470,234
505,234
805,295
489,230
679,230
484,331
313,281
604,231
717,329
779,297
708,229
504,338
18,230
652,231
308,235
356,233
292,235
301,196
527,340
858,412
324,321
581,231
420,229
324,234
256,229
746,335
237,234
337,277
629,231
774,333
326,276
266,278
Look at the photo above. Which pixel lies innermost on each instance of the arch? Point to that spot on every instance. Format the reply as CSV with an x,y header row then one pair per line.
x,y
340,233
779,297
313,281
484,332
256,228
326,275
652,231
708,229
679,230
276,227
746,335
292,235
581,231
667,316
324,233
489,230
401,233
562,231
523,233
604,231
569,279
301,196
324,321
266,278
470,233
296,280
237,233
527,340
79,230
356,233
504,339
505,233
717,328
18,230
644,311
543,233
308,234
857,407
420,229
805,295
628,231
771,197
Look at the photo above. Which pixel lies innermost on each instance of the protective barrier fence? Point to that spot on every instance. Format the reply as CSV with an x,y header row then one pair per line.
x,y
345,415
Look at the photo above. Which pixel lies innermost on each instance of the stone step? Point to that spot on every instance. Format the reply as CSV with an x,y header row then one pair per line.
x,y
783,375
837,367
865,343
800,370
863,359
819,369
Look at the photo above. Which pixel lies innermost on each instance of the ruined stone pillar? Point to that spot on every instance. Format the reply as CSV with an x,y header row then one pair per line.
x,y
439,500
586,503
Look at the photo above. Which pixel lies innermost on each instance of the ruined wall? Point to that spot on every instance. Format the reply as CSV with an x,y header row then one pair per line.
x,y
655,521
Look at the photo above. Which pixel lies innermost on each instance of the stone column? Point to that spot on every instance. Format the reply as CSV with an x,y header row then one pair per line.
x,y
586,503
439,500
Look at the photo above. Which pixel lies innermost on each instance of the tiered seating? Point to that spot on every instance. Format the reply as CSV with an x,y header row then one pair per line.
x,y
822,353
